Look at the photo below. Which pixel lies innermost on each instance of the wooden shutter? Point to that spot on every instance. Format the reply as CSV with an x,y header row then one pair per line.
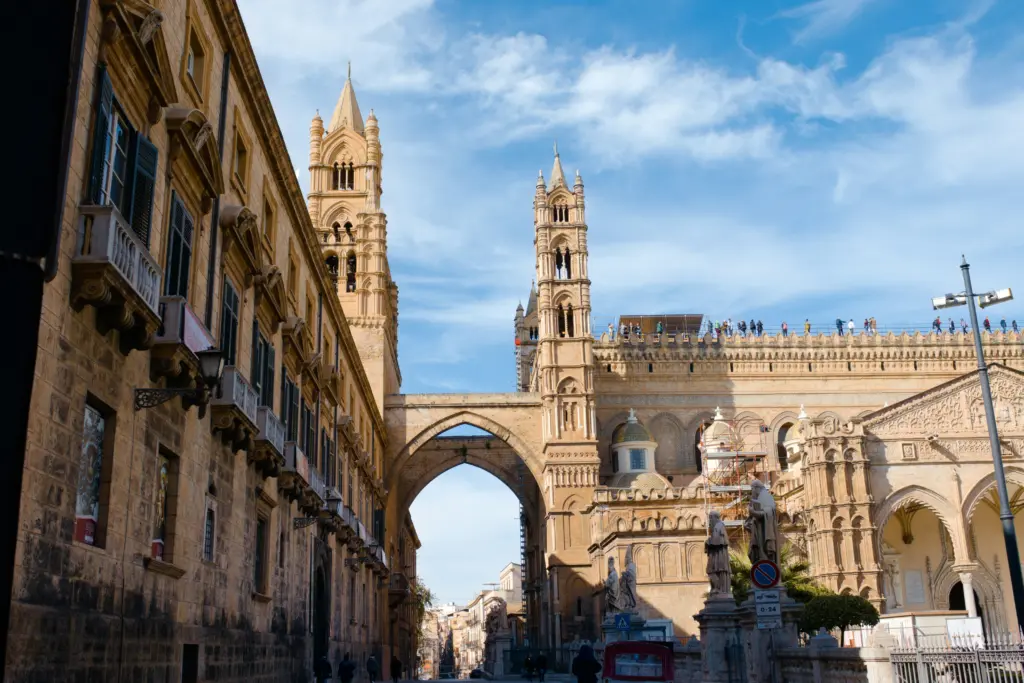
x,y
143,182
101,134
256,373
229,323
179,249
269,362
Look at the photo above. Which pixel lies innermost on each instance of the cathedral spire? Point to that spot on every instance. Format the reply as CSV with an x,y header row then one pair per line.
x,y
557,175
346,111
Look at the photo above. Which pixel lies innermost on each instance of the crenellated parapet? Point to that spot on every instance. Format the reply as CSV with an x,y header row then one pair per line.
x,y
793,353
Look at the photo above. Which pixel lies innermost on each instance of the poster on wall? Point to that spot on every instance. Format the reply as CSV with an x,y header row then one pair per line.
x,y
913,585
90,465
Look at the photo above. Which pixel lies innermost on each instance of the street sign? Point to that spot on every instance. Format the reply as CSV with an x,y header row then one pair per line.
x,y
764,574
768,608
622,622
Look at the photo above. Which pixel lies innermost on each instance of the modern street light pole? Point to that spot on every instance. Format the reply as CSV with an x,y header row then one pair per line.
x,y
1005,514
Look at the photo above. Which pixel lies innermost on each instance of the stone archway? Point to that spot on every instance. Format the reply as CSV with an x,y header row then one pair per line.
x,y
947,514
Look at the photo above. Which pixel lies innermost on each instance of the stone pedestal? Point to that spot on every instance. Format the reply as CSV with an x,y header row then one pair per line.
x,y
611,634
498,648
759,646
721,639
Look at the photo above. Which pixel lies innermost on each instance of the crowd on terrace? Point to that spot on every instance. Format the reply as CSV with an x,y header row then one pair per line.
x,y
756,328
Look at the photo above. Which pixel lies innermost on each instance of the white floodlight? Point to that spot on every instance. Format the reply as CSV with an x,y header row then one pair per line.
x,y
948,301
997,297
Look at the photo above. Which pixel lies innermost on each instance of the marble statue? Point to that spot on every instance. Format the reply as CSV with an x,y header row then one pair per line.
x,y
762,524
717,549
497,617
627,584
611,588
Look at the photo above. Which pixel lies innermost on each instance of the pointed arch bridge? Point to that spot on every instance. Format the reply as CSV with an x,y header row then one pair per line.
x,y
417,454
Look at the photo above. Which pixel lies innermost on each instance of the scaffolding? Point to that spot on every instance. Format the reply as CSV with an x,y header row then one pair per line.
x,y
731,458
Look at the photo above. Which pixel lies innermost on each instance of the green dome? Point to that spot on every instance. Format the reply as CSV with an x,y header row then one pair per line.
x,y
630,431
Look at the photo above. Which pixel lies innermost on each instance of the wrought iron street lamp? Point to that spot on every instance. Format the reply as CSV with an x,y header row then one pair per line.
x,y
211,368
1005,514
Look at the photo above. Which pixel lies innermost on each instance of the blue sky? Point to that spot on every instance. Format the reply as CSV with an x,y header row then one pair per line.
x,y
751,158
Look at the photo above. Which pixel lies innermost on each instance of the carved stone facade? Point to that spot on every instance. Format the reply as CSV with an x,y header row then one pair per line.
x,y
161,543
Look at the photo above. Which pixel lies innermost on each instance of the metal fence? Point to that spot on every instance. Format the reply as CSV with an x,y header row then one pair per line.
x,y
992,660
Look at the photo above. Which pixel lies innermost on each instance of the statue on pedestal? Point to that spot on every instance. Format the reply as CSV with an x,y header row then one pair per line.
x,y
762,524
611,588
717,549
627,584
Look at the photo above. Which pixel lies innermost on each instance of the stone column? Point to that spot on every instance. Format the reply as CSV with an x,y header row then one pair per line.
x,y
967,579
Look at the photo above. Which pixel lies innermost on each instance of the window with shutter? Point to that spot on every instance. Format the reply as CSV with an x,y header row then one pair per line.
x,y
229,323
179,249
143,184
267,396
294,412
256,371
101,137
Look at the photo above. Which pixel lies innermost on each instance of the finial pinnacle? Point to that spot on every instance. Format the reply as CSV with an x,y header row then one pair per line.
x,y
350,70
556,147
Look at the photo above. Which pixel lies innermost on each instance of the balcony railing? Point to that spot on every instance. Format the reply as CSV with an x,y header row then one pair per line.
x,y
106,237
271,429
182,326
236,392
316,483
295,462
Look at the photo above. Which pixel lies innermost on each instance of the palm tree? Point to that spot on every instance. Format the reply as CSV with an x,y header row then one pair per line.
x,y
795,574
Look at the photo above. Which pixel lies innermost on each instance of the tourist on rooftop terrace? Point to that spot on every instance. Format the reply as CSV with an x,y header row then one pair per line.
x,y
839,326
952,327
753,326
850,326
937,324
963,325
807,326
1015,326
785,329
1002,324
988,325
760,328
743,328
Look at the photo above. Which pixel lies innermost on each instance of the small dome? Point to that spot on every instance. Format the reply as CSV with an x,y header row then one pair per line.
x,y
718,437
644,481
631,431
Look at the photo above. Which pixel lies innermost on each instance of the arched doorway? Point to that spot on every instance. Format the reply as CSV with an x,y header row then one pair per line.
x,y
958,601
321,627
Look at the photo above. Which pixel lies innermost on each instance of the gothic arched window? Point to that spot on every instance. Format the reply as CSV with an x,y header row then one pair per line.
x,y
336,177
561,321
350,272
570,323
348,231
332,266
780,447
568,264
336,229
349,176
558,263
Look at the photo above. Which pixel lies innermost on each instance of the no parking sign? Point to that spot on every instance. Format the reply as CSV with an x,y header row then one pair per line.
x,y
765,574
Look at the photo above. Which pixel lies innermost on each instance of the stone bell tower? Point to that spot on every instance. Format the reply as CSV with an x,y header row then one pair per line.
x,y
345,161
565,382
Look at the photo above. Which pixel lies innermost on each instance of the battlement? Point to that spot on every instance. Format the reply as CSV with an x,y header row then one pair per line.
x,y
998,345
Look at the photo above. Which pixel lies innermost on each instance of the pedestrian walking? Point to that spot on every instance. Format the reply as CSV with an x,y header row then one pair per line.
x,y
753,326
1002,324
396,669
963,325
760,328
743,328
372,668
322,669
528,668
785,329
1015,326
346,669
839,326
952,327
585,666
937,325
542,666
867,326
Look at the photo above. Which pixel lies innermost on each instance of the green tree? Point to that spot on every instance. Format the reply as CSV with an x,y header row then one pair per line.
x,y
423,600
796,574
832,612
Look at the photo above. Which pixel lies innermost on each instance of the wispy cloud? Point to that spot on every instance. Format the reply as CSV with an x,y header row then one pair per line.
x,y
824,17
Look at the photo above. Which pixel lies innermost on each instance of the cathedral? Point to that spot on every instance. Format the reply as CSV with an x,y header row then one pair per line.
x,y
874,446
